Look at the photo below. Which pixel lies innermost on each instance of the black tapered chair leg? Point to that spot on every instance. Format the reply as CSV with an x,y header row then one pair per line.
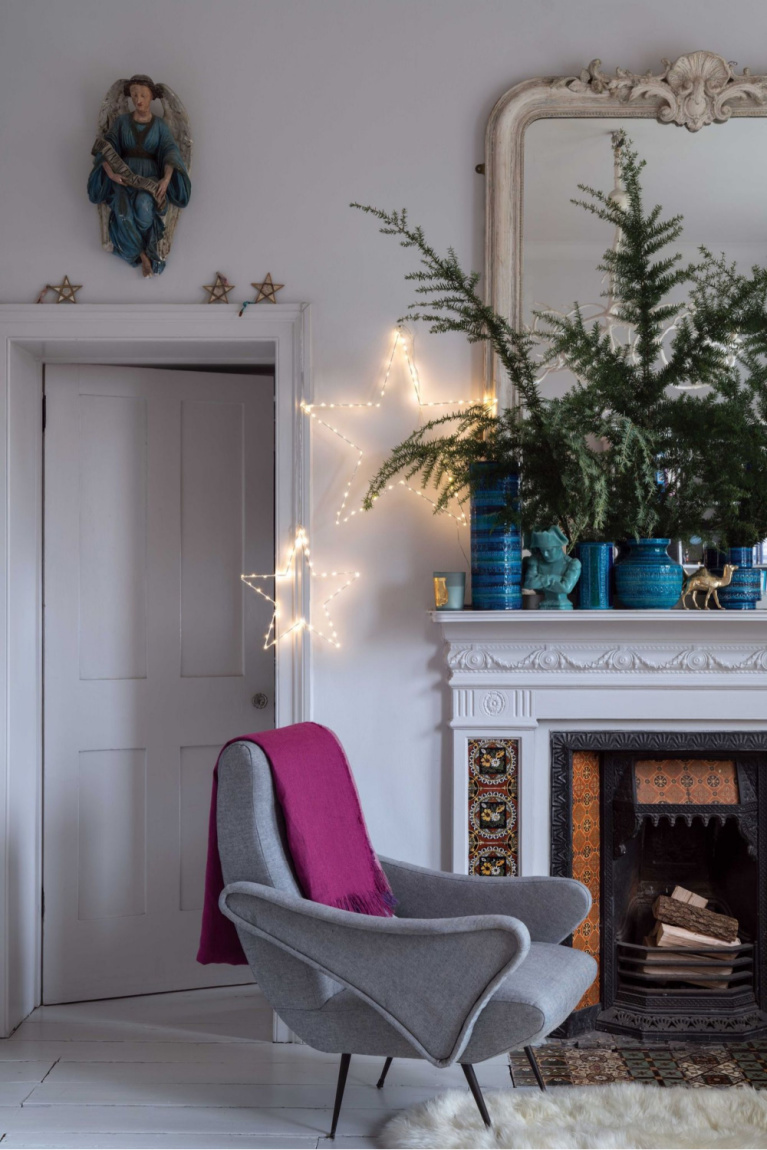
x,y
384,1072
471,1078
343,1070
535,1067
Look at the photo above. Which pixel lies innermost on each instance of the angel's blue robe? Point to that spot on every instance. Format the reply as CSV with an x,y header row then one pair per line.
x,y
136,219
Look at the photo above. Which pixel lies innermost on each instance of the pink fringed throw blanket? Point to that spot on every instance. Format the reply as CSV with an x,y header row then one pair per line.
x,y
327,837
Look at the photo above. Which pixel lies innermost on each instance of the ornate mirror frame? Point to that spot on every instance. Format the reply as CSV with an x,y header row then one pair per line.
x,y
695,91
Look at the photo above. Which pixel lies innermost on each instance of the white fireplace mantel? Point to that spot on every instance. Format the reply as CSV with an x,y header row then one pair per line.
x,y
525,674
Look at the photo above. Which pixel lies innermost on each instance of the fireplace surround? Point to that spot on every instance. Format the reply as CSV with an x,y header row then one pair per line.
x,y
550,714
652,834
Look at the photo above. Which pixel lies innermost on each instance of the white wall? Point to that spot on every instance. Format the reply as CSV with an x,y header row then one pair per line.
x,y
298,107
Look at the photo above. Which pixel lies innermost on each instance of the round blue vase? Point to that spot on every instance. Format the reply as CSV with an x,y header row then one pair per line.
x,y
745,589
496,549
595,587
648,579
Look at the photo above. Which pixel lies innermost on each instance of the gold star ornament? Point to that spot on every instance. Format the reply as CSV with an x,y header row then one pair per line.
x,y
267,290
219,291
65,291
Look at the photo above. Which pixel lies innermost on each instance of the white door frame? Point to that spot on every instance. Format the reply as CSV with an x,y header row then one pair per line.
x,y
167,334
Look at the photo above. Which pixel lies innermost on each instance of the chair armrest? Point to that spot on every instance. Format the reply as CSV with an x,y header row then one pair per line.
x,y
429,979
550,908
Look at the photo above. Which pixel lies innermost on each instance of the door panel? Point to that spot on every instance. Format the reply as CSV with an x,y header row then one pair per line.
x,y
111,845
211,545
159,493
112,525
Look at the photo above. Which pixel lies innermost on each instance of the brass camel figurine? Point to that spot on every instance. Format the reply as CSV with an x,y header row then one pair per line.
x,y
703,580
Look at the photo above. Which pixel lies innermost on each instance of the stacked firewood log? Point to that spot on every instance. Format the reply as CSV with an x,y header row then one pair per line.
x,y
684,922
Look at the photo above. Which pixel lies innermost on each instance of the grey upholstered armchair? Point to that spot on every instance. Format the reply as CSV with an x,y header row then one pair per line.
x,y
468,969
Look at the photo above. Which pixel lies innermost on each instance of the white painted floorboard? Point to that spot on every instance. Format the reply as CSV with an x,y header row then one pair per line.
x,y
193,1070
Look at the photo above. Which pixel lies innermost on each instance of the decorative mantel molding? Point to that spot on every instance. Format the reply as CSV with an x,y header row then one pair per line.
x,y
640,644
475,657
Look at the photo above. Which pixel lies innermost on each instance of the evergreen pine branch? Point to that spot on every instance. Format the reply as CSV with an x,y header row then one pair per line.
x,y
453,304
622,453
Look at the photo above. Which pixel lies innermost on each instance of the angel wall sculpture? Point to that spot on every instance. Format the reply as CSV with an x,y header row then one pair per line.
x,y
140,177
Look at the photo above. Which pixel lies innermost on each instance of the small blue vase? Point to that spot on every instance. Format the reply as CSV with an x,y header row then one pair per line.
x,y
745,589
648,579
496,549
596,582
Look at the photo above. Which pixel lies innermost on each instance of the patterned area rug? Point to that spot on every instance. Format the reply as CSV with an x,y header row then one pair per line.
x,y
670,1064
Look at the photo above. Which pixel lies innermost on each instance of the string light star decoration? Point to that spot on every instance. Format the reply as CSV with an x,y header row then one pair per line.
x,y
218,292
402,341
300,563
66,292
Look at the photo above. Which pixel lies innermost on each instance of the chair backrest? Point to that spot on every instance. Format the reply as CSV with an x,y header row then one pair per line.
x,y
253,848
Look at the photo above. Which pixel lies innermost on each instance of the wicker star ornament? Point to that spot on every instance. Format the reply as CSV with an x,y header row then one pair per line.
x,y
218,292
267,290
66,292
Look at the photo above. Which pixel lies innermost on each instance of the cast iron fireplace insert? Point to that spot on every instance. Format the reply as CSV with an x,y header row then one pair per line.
x,y
672,808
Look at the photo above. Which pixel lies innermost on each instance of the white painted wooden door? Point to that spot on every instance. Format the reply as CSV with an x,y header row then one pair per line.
x,y
159,493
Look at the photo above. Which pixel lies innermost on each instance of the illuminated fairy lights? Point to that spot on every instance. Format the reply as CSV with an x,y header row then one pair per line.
x,y
300,554
401,340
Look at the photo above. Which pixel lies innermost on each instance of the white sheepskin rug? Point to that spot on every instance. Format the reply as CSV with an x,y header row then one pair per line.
x,y
613,1117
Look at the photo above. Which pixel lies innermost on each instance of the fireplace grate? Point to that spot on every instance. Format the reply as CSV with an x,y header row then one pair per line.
x,y
716,972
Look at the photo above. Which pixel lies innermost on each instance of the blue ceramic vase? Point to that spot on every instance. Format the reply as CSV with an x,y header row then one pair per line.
x,y
596,584
745,589
496,549
648,579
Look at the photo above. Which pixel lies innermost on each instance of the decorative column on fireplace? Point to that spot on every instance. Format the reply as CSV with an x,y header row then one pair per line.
x,y
630,751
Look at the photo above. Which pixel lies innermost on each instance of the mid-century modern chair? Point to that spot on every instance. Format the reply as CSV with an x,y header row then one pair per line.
x,y
468,969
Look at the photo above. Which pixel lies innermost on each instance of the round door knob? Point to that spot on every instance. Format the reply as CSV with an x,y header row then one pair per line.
x,y
260,700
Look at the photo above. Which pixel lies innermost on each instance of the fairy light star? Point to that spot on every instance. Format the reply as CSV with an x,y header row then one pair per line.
x,y
401,341
300,554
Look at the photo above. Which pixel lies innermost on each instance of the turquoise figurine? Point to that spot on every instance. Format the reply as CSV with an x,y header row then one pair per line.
x,y
549,570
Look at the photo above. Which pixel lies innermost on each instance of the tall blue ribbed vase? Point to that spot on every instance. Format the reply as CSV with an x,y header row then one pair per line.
x,y
496,549
595,586
745,588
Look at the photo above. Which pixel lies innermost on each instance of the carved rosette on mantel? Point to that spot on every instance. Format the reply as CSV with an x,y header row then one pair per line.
x,y
523,675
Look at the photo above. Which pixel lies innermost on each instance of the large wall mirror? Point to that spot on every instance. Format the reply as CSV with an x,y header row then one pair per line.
x,y
701,127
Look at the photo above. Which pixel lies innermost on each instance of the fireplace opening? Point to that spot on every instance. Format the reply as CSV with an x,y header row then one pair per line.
x,y
670,841
709,859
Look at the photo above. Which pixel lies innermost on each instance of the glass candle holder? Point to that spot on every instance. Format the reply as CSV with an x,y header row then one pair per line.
x,y
449,590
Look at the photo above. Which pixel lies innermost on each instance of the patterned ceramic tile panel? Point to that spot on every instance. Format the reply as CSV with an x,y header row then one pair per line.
x,y
493,807
586,857
699,781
